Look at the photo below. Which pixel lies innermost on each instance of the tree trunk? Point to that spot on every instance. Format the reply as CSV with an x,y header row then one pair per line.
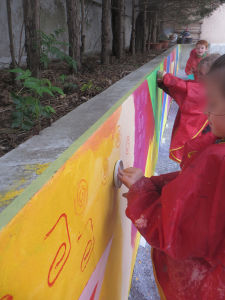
x,y
118,27
73,21
106,30
144,29
155,28
114,26
121,31
149,33
82,29
11,43
31,9
139,33
158,29
133,32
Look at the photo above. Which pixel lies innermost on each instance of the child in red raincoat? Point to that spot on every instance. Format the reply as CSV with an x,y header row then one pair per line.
x,y
196,56
182,215
190,96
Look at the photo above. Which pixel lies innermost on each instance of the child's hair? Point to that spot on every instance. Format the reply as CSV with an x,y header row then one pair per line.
x,y
209,60
203,42
217,71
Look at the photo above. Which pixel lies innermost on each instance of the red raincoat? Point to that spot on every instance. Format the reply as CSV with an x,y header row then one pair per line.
x,y
182,216
191,120
192,64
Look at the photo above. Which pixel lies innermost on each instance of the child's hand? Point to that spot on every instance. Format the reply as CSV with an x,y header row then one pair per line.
x,y
160,75
130,176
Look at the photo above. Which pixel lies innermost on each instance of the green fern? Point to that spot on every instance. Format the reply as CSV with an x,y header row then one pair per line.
x,y
28,109
51,46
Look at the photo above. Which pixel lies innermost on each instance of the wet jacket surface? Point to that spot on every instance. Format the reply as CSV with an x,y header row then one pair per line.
x,y
191,120
182,216
192,64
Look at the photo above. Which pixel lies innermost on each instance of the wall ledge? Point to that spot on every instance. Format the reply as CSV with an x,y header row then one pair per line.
x,y
29,160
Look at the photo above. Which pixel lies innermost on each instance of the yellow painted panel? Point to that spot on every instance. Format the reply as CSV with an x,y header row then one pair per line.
x,y
72,239
63,231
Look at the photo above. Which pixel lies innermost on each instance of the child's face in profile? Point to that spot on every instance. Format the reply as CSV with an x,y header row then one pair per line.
x,y
201,49
216,108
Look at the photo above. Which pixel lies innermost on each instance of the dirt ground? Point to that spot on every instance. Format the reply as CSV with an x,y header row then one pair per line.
x,y
78,88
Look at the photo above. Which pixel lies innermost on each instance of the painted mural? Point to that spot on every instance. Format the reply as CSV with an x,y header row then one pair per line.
x,y
72,240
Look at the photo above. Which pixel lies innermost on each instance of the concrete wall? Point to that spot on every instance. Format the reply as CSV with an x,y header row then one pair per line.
x,y
53,16
213,27
185,53
4,37
66,235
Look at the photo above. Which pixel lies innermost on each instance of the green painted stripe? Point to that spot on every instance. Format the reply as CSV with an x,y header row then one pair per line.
x,y
9,212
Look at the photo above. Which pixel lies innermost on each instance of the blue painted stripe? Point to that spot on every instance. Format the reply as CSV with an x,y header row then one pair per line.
x,y
168,64
163,114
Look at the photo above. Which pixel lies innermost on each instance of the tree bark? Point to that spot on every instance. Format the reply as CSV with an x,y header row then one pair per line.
x,y
133,32
73,21
149,33
155,28
21,45
31,10
118,27
121,32
11,42
139,32
106,31
82,29
144,29
115,26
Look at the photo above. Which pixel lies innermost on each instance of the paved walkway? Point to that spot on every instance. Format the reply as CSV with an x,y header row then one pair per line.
x,y
143,283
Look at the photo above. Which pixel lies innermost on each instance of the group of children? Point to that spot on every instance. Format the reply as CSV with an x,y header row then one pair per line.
x,y
182,214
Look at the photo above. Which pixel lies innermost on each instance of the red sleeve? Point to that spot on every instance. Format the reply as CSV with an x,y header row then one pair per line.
x,y
187,220
146,193
177,87
161,180
188,69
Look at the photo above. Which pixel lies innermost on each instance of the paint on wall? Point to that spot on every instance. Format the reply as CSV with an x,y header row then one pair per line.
x,y
72,240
